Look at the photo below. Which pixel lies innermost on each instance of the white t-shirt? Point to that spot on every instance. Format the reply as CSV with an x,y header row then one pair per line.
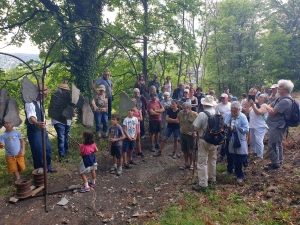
x,y
130,124
257,120
168,87
223,108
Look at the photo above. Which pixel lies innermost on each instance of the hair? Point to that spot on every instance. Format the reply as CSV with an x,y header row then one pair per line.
x,y
176,102
244,95
136,90
192,90
153,94
265,97
263,87
236,104
168,76
252,90
152,86
199,88
116,116
188,105
163,87
106,71
257,86
287,84
88,137
180,84
166,93
212,92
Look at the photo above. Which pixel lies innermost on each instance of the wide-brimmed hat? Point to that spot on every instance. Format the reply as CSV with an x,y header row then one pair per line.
x,y
64,86
224,95
274,86
101,87
40,85
208,100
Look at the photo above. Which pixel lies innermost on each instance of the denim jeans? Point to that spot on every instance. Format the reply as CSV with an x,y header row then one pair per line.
x,y
101,118
142,126
239,162
35,141
225,151
62,131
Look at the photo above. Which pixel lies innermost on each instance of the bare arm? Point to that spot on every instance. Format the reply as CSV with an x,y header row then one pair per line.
x,y
37,123
125,132
96,149
23,147
271,110
262,110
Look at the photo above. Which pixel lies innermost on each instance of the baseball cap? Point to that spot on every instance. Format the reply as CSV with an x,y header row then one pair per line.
x,y
274,86
224,95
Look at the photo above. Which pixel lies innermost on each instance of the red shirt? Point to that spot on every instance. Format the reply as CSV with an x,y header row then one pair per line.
x,y
87,149
153,106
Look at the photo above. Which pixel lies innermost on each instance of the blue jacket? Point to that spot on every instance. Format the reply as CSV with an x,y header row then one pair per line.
x,y
242,127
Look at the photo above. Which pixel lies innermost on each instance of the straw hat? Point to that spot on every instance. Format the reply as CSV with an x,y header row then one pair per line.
x,y
40,88
101,87
64,86
208,100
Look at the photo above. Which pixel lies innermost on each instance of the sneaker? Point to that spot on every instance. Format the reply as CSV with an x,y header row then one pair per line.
x,y
119,172
271,167
98,134
106,134
174,155
85,189
157,146
92,185
127,166
113,169
141,154
134,154
152,149
157,154
197,187
52,171
132,162
240,180
226,173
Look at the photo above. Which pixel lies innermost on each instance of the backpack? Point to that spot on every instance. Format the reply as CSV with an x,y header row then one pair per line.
x,y
294,117
216,130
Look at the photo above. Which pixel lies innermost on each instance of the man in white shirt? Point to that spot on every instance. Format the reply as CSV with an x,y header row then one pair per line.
x,y
207,153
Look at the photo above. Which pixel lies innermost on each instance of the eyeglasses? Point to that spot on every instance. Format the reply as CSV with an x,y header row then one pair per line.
x,y
107,74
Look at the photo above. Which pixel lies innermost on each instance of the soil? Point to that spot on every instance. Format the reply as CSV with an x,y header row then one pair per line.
x,y
142,193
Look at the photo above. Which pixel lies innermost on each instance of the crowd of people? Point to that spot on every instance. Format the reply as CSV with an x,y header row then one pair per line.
x,y
183,113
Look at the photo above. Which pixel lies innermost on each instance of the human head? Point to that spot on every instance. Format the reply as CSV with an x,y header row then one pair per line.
x,y
252,91
166,95
226,90
153,96
163,89
181,86
42,94
230,97
208,101
8,126
199,90
192,92
186,92
224,98
274,88
263,89
115,118
244,95
130,112
64,86
212,92
152,89
262,98
235,109
106,74
285,87
155,77
136,92
191,85
257,88
141,76
168,78
211,88
101,89
175,104
88,137
233,99
186,107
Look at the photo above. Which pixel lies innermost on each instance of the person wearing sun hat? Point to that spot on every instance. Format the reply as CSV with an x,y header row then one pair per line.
x,y
35,123
207,153
62,130
273,96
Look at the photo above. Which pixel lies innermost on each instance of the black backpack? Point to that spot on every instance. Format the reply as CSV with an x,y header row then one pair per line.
x,y
294,117
216,129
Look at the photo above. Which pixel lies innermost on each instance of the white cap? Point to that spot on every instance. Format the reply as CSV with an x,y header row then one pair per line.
x,y
224,95
274,86
186,90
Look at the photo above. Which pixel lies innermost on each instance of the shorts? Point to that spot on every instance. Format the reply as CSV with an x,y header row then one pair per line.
x,y
128,145
83,169
169,131
154,126
15,163
116,151
187,143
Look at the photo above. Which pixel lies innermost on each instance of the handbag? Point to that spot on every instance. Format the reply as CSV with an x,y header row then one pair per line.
x,y
236,140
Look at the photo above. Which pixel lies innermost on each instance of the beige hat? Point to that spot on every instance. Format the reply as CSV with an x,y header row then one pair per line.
x,y
224,95
64,86
208,100
101,87
40,85
186,90
274,86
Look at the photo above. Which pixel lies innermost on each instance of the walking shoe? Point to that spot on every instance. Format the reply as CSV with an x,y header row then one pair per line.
x,y
152,149
134,154
157,145
132,162
85,189
98,134
141,154
197,187
271,167
113,169
127,166
240,180
106,134
157,154
119,172
92,185
174,155
52,171
226,173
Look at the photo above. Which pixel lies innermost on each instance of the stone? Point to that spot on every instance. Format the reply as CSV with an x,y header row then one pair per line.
x,y
4,99
29,91
87,114
12,113
68,112
60,101
80,102
63,201
74,186
13,199
125,103
75,94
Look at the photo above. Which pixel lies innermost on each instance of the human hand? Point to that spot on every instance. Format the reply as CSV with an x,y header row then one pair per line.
x,y
2,145
22,152
41,125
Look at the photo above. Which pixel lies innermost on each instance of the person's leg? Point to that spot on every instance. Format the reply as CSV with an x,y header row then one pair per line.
x,y
230,164
48,152
259,133
156,140
280,150
176,133
60,131
138,143
105,123
253,140
202,164
84,179
163,143
66,143
211,163
157,131
93,172
238,167
16,175
97,117
109,101
142,127
35,142
273,146
114,160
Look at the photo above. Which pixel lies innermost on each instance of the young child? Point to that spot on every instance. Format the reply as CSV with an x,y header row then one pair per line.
x,y
88,162
116,136
138,114
130,127
14,146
